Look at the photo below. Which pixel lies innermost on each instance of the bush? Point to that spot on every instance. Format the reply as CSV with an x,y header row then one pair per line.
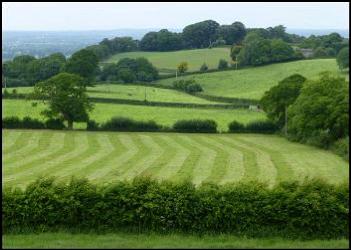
x,y
309,210
223,64
189,86
341,147
54,124
203,67
92,125
30,123
195,126
11,122
235,126
261,127
127,124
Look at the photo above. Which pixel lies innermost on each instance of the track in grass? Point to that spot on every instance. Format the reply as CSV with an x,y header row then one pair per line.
x,y
110,156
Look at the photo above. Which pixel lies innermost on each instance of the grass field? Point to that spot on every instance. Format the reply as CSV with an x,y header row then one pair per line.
x,y
132,240
163,115
109,156
253,82
132,92
167,62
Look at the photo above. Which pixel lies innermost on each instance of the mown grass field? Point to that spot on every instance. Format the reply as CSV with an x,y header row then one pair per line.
x,y
166,116
109,156
167,62
133,240
253,82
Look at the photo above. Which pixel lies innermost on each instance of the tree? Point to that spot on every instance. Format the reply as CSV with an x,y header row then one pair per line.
x,y
281,51
203,67
343,58
66,97
321,111
83,63
200,35
232,34
234,51
161,41
275,101
222,64
182,67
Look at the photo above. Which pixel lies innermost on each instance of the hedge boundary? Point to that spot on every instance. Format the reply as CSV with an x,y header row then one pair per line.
x,y
309,210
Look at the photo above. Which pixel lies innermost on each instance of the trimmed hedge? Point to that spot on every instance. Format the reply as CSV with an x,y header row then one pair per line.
x,y
127,124
195,126
263,127
311,209
14,122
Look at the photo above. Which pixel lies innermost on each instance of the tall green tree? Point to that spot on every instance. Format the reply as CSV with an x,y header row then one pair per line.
x,y
343,58
66,97
200,35
83,63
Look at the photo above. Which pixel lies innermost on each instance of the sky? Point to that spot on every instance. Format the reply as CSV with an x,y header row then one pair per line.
x,y
175,15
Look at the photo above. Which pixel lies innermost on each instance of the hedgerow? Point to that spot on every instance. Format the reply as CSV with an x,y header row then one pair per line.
x,y
264,127
309,209
195,126
14,122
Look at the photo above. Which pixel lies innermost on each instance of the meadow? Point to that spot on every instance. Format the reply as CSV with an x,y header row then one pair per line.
x,y
166,116
133,240
167,62
251,83
109,156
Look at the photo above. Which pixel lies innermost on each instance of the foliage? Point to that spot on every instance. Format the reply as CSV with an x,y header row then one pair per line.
x,y
234,51
310,209
201,34
66,97
236,126
92,125
129,70
222,64
203,67
163,40
264,126
277,99
342,147
195,126
13,122
182,67
321,111
343,58
189,86
54,123
232,34
83,63
127,124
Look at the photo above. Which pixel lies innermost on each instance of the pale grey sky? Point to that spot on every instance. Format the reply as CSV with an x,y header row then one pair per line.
x,y
106,15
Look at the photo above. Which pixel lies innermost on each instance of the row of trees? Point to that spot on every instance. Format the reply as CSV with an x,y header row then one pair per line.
x,y
310,111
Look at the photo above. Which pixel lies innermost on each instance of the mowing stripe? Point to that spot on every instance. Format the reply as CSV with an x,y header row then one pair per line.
x,y
154,153
284,171
232,168
23,142
186,171
105,147
46,148
262,168
21,153
204,165
176,162
163,160
119,164
77,144
9,139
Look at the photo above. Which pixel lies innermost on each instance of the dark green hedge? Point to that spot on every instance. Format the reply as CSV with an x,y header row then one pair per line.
x,y
312,209
127,124
195,126
13,122
262,127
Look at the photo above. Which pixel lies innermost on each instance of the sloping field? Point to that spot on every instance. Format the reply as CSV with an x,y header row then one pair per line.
x,y
108,156
162,115
167,62
253,82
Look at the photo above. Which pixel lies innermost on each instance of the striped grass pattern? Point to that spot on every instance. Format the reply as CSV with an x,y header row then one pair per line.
x,y
110,156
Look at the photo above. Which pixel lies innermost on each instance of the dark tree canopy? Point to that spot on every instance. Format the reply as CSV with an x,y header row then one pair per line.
x,y
163,40
343,58
232,34
66,97
278,98
83,63
200,35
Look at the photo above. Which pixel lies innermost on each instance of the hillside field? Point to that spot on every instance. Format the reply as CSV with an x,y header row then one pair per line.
x,y
251,83
163,115
109,156
167,62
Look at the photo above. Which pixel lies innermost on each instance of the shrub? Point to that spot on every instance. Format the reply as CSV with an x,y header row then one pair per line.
x,y
54,124
223,64
92,125
341,147
189,86
127,124
261,127
235,126
203,67
11,122
30,123
310,209
194,126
